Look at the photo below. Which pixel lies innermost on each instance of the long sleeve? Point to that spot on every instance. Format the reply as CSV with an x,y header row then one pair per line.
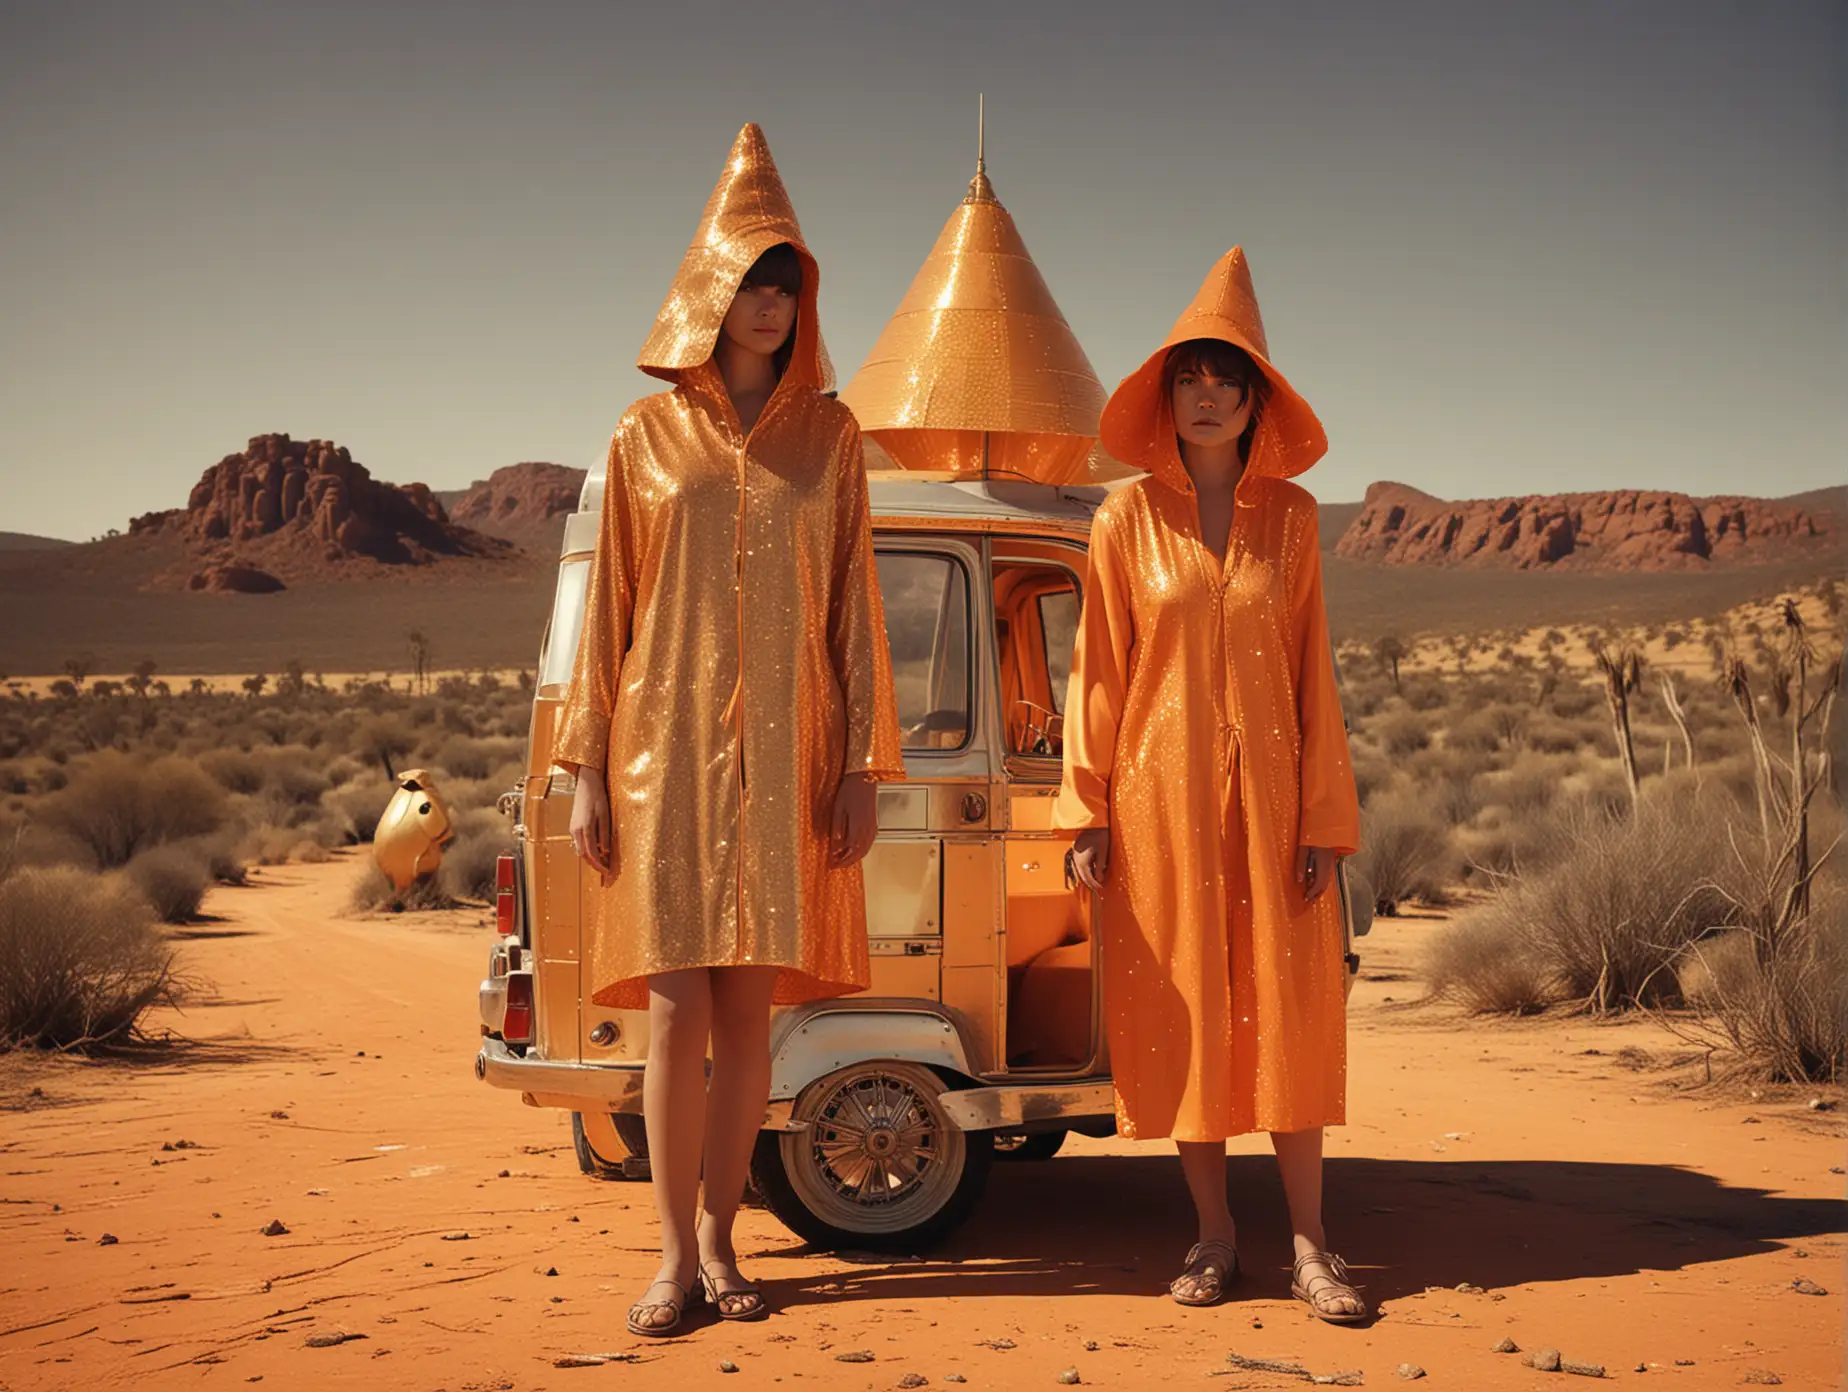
x,y
1099,683
856,627
583,735
1330,807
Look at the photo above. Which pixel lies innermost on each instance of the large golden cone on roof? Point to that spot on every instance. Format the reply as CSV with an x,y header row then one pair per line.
x,y
977,371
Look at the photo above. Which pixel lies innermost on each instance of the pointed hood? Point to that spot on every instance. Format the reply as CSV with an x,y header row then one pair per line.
x,y
977,369
1138,420
748,213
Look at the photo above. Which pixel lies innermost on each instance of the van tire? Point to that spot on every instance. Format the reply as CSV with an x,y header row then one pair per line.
x,y
939,1170
625,1135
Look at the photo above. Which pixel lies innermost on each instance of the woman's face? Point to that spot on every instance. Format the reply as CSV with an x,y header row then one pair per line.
x,y
1209,410
760,318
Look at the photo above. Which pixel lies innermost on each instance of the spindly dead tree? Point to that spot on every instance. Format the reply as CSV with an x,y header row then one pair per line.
x,y
1787,788
1390,651
420,660
1623,677
1672,700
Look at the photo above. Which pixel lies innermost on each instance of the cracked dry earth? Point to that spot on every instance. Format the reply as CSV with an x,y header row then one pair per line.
x,y
1518,1181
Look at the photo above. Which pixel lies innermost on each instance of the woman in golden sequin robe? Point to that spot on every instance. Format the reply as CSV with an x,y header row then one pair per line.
x,y
730,709
1206,765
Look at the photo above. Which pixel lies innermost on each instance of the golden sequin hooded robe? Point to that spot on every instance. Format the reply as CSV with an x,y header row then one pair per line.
x,y
733,665
1203,728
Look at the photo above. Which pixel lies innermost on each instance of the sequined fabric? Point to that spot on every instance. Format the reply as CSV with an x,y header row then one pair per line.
x,y
1204,728
733,664
977,372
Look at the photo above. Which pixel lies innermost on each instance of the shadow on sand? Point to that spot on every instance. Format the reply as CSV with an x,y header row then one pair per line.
x,y
1122,1225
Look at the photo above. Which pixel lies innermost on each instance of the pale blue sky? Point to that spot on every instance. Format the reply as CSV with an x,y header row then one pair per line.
x,y
1502,248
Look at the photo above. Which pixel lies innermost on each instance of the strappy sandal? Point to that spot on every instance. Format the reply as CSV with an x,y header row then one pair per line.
x,y
1209,1270
648,1307
745,1302
1339,1282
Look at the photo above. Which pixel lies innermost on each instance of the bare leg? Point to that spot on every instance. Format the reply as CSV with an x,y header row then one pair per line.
x,y
734,1113
1204,1164
1299,1161
674,1106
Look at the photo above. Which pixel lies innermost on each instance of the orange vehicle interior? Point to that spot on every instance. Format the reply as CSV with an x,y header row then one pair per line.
x,y
1049,1016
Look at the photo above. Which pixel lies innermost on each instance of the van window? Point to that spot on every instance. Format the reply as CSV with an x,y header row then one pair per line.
x,y
927,623
1059,622
561,643
1036,623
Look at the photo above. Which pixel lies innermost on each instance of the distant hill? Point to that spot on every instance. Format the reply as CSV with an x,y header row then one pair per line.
x,y
283,512
1617,530
523,503
25,541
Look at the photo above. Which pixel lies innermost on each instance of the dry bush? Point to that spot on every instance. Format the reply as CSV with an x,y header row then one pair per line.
x,y
1405,850
119,805
1401,732
373,893
1372,773
81,960
1618,900
358,805
1528,785
173,879
237,770
1787,1018
467,871
1474,963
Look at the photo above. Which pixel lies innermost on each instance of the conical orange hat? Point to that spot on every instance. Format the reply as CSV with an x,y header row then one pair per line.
x,y
1138,420
748,213
977,370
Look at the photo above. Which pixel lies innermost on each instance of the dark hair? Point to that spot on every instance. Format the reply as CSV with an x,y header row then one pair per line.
x,y
1214,357
781,267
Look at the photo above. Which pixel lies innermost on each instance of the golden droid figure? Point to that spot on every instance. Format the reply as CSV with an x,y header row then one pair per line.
x,y
413,830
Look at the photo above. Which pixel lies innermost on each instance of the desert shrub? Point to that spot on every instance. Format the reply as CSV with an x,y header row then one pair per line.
x,y
1405,850
237,770
358,805
118,805
1787,1016
1427,692
173,879
1574,699
467,871
1371,772
1401,732
1528,785
373,893
1474,963
291,774
80,959
1618,900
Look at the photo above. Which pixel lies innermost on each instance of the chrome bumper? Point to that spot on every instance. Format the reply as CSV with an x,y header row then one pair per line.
x,y
615,1087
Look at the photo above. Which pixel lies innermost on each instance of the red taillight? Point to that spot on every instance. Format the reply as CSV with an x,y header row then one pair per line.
x,y
506,899
517,1022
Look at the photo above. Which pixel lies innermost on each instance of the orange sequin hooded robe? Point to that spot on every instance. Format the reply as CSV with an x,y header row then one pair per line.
x,y
733,665
1203,728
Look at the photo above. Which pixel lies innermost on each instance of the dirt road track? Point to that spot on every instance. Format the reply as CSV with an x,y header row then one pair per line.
x,y
448,1230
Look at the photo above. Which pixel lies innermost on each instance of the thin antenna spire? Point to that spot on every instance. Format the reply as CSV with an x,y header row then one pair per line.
x,y
980,190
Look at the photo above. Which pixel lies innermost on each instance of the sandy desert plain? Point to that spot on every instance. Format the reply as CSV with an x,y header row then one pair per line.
x,y
1633,1186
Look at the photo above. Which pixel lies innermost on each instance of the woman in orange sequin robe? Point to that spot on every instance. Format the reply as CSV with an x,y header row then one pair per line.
x,y
1206,766
730,709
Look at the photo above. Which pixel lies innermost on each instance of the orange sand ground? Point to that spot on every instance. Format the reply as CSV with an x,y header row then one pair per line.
x,y
1602,1212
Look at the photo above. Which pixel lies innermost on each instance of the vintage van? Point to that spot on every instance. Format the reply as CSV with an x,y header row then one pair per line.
x,y
982,1034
